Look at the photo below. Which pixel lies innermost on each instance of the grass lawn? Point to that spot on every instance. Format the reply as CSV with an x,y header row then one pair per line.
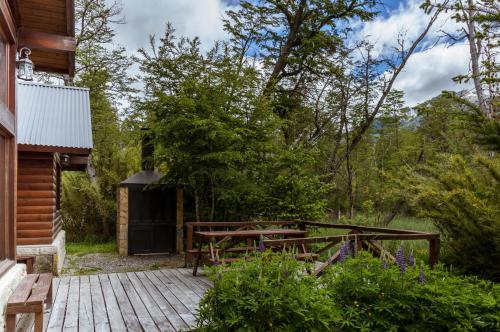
x,y
84,248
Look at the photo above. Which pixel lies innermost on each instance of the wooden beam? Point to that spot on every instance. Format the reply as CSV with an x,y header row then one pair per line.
x,y
350,237
7,24
240,223
70,17
7,120
32,241
47,148
362,228
78,160
46,41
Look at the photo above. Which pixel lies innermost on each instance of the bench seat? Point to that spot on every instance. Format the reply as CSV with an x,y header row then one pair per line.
x,y
29,297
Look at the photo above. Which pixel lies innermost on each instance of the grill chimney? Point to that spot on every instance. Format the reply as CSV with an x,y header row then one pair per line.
x,y
147,159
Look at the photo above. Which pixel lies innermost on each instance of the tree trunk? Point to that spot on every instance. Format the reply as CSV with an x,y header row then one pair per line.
x,y
393,213
475,54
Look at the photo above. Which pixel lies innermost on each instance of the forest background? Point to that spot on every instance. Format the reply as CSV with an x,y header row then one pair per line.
x,y
293,118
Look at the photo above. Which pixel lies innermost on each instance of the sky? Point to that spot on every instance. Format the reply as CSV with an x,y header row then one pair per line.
x,y
427,73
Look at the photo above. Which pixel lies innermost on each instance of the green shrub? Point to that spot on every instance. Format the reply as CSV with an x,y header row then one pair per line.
x,y
374,298
86,213
267,293
271,292
462,197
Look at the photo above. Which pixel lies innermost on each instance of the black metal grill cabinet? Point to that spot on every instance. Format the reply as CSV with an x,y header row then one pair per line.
x,y
150,216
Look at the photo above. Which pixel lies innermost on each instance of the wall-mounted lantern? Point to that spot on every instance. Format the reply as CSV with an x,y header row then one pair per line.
x,y
25,65
65,159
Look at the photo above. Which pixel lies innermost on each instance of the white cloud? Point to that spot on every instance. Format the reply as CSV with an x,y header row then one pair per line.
x,y
190,18
427,73
407,19
430,70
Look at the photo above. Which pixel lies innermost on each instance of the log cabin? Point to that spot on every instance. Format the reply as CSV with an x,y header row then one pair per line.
x,y
46,27
54,134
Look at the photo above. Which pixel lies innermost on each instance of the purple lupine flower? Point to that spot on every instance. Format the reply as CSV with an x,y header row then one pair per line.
x,y
421,275
344,251
411,260
400,260
262,246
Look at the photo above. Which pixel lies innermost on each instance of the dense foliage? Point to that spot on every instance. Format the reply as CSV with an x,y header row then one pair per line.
x,y
216,133
89,200
270,292
294,117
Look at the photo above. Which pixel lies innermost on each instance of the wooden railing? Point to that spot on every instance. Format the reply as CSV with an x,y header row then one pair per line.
x,y
365,237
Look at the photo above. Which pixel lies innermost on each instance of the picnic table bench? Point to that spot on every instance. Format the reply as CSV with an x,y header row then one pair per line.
x,y
236,236
29,297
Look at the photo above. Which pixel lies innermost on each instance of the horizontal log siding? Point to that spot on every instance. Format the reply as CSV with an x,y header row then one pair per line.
x,y
36,198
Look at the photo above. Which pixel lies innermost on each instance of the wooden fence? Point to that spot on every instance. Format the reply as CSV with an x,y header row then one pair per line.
x,y
363,237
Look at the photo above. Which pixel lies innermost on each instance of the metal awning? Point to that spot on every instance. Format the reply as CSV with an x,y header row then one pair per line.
x,y
55,117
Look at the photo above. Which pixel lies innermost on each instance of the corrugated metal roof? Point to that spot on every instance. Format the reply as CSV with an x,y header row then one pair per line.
x,y
52,115
143,177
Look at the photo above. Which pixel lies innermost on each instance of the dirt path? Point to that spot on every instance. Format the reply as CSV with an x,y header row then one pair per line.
x,y
108,263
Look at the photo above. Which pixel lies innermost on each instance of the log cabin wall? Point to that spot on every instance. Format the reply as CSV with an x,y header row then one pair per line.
x,y
38,217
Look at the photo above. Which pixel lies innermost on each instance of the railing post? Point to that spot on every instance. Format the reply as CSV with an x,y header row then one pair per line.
x,y
302,227
189,255
434,245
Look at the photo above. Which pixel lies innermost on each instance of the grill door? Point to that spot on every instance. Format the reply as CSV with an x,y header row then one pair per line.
x,y
152,220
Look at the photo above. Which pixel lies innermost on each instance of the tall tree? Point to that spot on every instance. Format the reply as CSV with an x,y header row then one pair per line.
x,y
479,27
102,68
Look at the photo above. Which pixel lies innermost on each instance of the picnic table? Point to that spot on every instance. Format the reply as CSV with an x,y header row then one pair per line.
x,y
235,237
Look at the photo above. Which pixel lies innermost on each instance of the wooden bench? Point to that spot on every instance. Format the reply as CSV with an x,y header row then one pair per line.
x,y
29,297
29,261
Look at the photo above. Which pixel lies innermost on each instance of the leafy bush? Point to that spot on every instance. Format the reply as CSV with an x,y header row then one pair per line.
x,y
267,293
374,298
462,197
86,213
271,292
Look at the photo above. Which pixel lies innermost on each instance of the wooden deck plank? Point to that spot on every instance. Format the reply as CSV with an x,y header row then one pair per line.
x,y
179,307
158,316
85,314
101,322
115,317
59,308
48,311
185,289
71,316
189,282
142,313
173,317
141,301
203,281
191,304
126,308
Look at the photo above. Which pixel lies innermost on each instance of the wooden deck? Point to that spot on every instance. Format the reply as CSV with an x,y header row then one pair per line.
x,y
161,300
